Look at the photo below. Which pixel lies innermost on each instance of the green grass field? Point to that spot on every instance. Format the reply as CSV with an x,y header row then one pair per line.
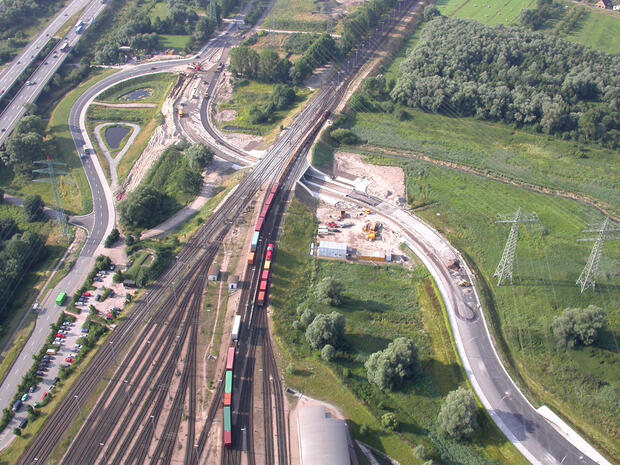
x,y
496,148
158,86
600,30
295,15
159,9
176,42
400,302
581,384
256,93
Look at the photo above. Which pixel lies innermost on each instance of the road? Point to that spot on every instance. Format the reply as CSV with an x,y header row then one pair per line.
x,y
533,435
16,67
40,77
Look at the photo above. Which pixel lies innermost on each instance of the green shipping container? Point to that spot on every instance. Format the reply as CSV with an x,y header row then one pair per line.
x,y
61,298
228,384
226,418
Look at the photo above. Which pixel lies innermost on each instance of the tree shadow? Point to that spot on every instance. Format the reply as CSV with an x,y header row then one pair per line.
x,y
370,305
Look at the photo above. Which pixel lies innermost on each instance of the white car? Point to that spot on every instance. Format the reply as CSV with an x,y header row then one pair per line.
x,y
62,331
57,343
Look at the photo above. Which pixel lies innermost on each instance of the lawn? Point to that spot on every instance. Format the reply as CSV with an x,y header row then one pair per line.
x,y
499,149
581,384
157,86
176,42
399,302
159,9
256,93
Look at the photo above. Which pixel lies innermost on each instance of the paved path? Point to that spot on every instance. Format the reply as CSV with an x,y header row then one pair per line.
x,y
113,162
125,105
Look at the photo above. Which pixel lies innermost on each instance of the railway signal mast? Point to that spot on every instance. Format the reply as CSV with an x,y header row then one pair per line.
x,y
506,263
588,275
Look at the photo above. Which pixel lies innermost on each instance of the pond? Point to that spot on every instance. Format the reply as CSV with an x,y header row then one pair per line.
x,y
114,135
137,94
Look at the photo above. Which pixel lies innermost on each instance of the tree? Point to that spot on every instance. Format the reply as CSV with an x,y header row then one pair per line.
x,y
8,227
282,96
329,292
290,368
199,156
22,148
33,207
578,326
1,195
325,329
306,317
244,61
17,431
430,12
457,417
390,367
267,65
118,277
112,238
30,123
142,208
328,353
389,422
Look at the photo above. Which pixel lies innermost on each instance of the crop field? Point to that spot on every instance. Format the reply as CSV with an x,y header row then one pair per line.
x,y
582,384
399,302
496,148
486,11
600,31
157,85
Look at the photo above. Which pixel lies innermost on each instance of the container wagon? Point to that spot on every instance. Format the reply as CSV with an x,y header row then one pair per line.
x,y
263,286
251,258
260,300
227,428
265,275
228,381
236,328
259,224
255,241
230,358
267,264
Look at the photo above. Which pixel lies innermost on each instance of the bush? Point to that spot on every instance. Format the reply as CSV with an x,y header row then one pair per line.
x,y
344,136
112,238
290,368
388,368
363,430
33,208
328,353
419,451
142,208
17,431
457,417
325,329
389,422
307,317
329,292
578,326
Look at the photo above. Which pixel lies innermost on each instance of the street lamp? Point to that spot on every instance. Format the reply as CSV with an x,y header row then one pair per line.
x,y
127,392
153,426
104,454
197,456
77,401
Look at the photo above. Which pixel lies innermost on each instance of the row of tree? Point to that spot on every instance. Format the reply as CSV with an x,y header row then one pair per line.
x,y
266,66
281,98
544,11
463,68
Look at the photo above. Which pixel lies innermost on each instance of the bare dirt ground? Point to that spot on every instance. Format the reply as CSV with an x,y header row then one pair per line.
x,y
163,136
386,181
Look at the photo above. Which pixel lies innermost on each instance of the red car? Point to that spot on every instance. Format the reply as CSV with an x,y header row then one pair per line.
x,y
44,395
86,294
69,360
61,336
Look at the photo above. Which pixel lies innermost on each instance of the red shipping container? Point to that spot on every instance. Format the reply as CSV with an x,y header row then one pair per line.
x,y
263,286
259,224
261,298
227,438
230,358
227,399
265,275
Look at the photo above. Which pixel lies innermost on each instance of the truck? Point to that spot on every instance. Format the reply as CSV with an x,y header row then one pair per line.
x,y
236,328
79,29
61,298
64,47
180,112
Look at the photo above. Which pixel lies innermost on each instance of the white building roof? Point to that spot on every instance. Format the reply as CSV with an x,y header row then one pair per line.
x,y
333,245
322,439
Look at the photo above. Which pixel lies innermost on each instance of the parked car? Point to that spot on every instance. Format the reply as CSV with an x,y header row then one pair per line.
x,y
33,388
47,357
98,297
41,374
60,336
84,330
25,397
69,360
62,331
44,396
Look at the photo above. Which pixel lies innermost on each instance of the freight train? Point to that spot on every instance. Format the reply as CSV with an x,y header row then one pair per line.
x,y
264,278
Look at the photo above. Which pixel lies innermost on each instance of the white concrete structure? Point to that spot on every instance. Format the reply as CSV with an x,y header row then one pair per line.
x,y
322,439
233,282
331,249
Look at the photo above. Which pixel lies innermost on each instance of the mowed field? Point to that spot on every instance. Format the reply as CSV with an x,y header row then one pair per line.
x,y
485,11
600,31
295,15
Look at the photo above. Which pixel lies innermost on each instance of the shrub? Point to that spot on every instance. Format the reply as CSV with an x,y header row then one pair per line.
x,y
33,208
578,326
363,430
388,368
325,329
457,417
329,292
112,238
307,317
290,368
328,353
344,136
389,422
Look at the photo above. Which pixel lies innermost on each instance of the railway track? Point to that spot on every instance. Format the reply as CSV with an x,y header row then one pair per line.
x,y
196,255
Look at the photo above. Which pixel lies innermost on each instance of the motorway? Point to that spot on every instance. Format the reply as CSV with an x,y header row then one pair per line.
x,y
40,77
16,67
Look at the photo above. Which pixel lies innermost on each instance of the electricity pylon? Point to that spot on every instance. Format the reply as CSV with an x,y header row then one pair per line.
x,y
588,275
51,173
506,263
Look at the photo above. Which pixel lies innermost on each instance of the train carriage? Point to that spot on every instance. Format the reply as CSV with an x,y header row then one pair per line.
x,y
227,427
230,358
228,385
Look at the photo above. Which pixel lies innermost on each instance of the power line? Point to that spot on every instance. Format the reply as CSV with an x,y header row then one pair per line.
x,y
506,263
588,275
51,173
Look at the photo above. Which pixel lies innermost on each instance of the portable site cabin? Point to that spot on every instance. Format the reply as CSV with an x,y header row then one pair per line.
x,y
213,273
233,282
329,249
